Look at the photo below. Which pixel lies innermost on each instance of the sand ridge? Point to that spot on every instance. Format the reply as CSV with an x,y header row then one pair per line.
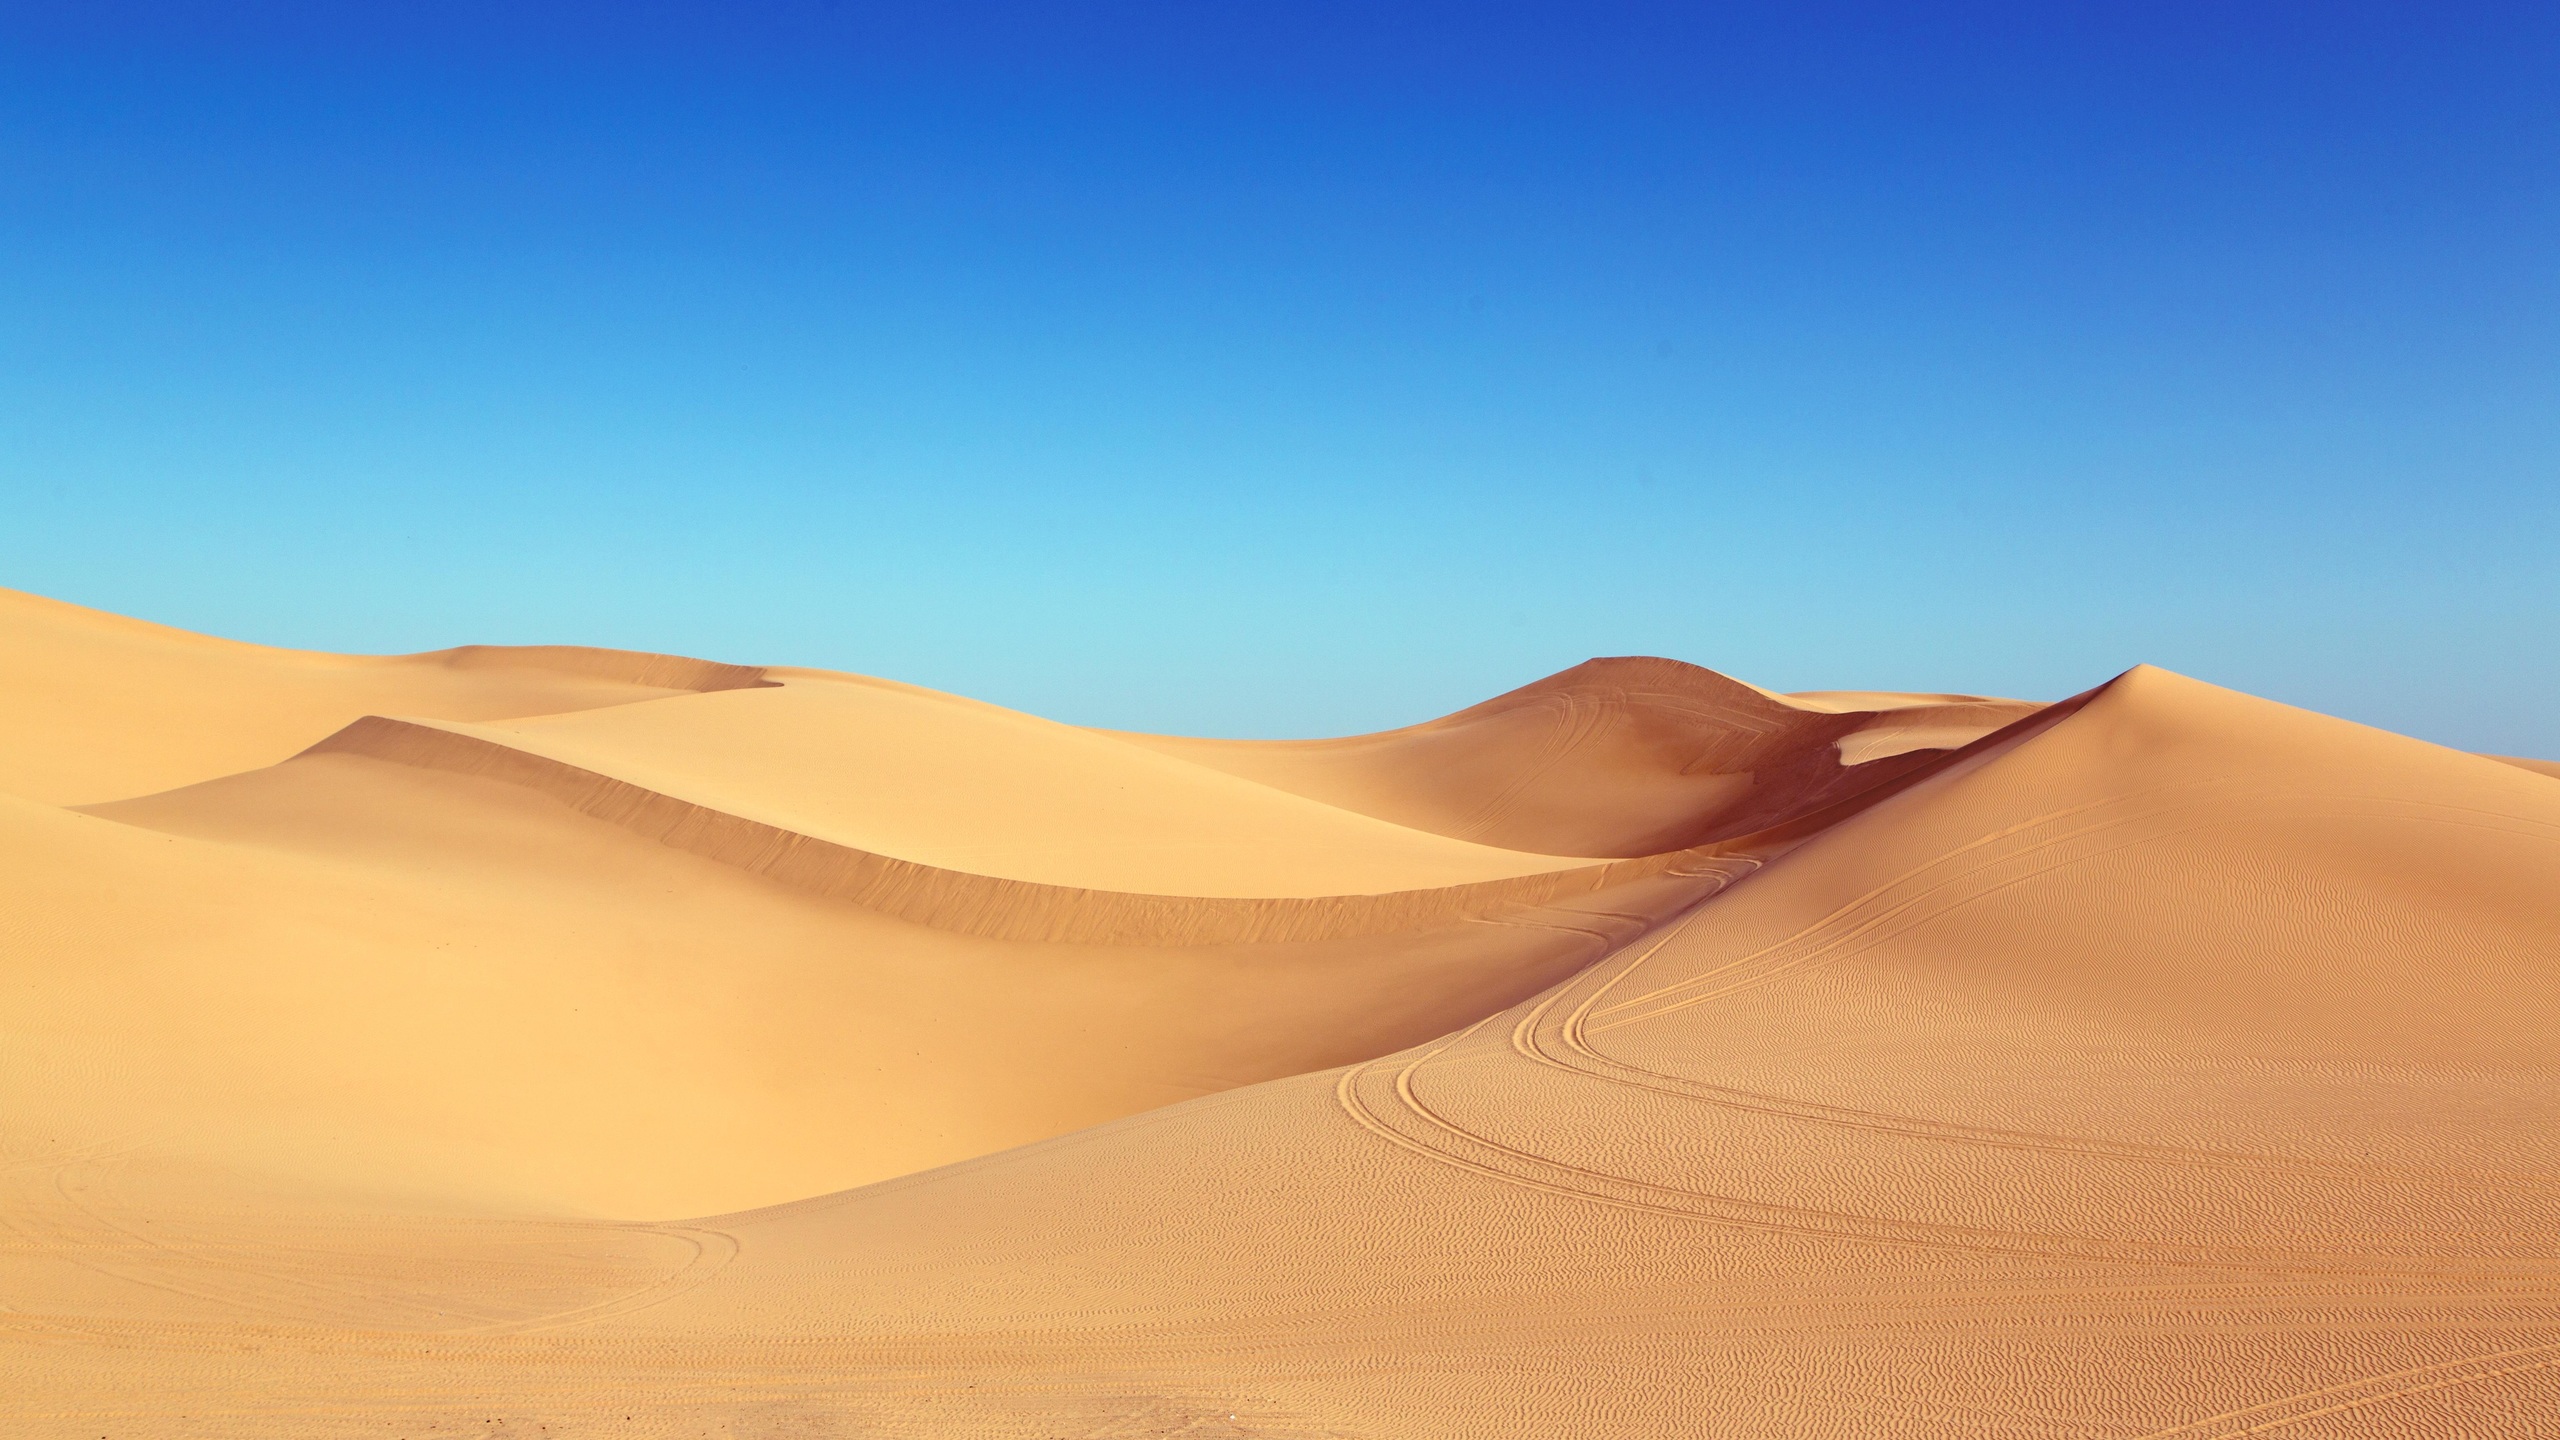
x,y
1624,1056
961,785
1622,757
100,707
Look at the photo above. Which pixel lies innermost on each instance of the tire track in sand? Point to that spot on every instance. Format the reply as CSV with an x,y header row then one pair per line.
x,y
2305,1406
1399,1114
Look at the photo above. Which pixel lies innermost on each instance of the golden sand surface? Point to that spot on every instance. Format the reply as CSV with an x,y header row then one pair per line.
x,y
541,1041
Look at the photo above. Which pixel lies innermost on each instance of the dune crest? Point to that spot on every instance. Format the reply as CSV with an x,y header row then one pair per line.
x,y
989,906
100,707
960,785
644,669
1621,757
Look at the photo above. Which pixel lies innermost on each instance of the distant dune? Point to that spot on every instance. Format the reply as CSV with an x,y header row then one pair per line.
x,y
1637,1053
1615,757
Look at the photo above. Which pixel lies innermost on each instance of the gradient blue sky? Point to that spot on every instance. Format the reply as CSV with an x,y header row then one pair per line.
x,y
1284,369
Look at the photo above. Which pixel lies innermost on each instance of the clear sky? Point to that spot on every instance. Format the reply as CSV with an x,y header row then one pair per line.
x,y
1298,368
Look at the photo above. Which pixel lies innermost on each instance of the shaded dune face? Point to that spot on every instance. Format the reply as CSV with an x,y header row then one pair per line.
x,y
1636,1053
1618,757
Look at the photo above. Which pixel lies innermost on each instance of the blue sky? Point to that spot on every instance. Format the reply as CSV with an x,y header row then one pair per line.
x,y
1268,369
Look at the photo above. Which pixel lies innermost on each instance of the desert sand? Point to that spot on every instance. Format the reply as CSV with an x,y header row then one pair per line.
x,y
550,1041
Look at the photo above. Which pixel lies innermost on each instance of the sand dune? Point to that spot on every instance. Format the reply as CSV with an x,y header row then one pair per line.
x,y
447,986
1636,1054
960,785
438,962
1620,757
99,707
